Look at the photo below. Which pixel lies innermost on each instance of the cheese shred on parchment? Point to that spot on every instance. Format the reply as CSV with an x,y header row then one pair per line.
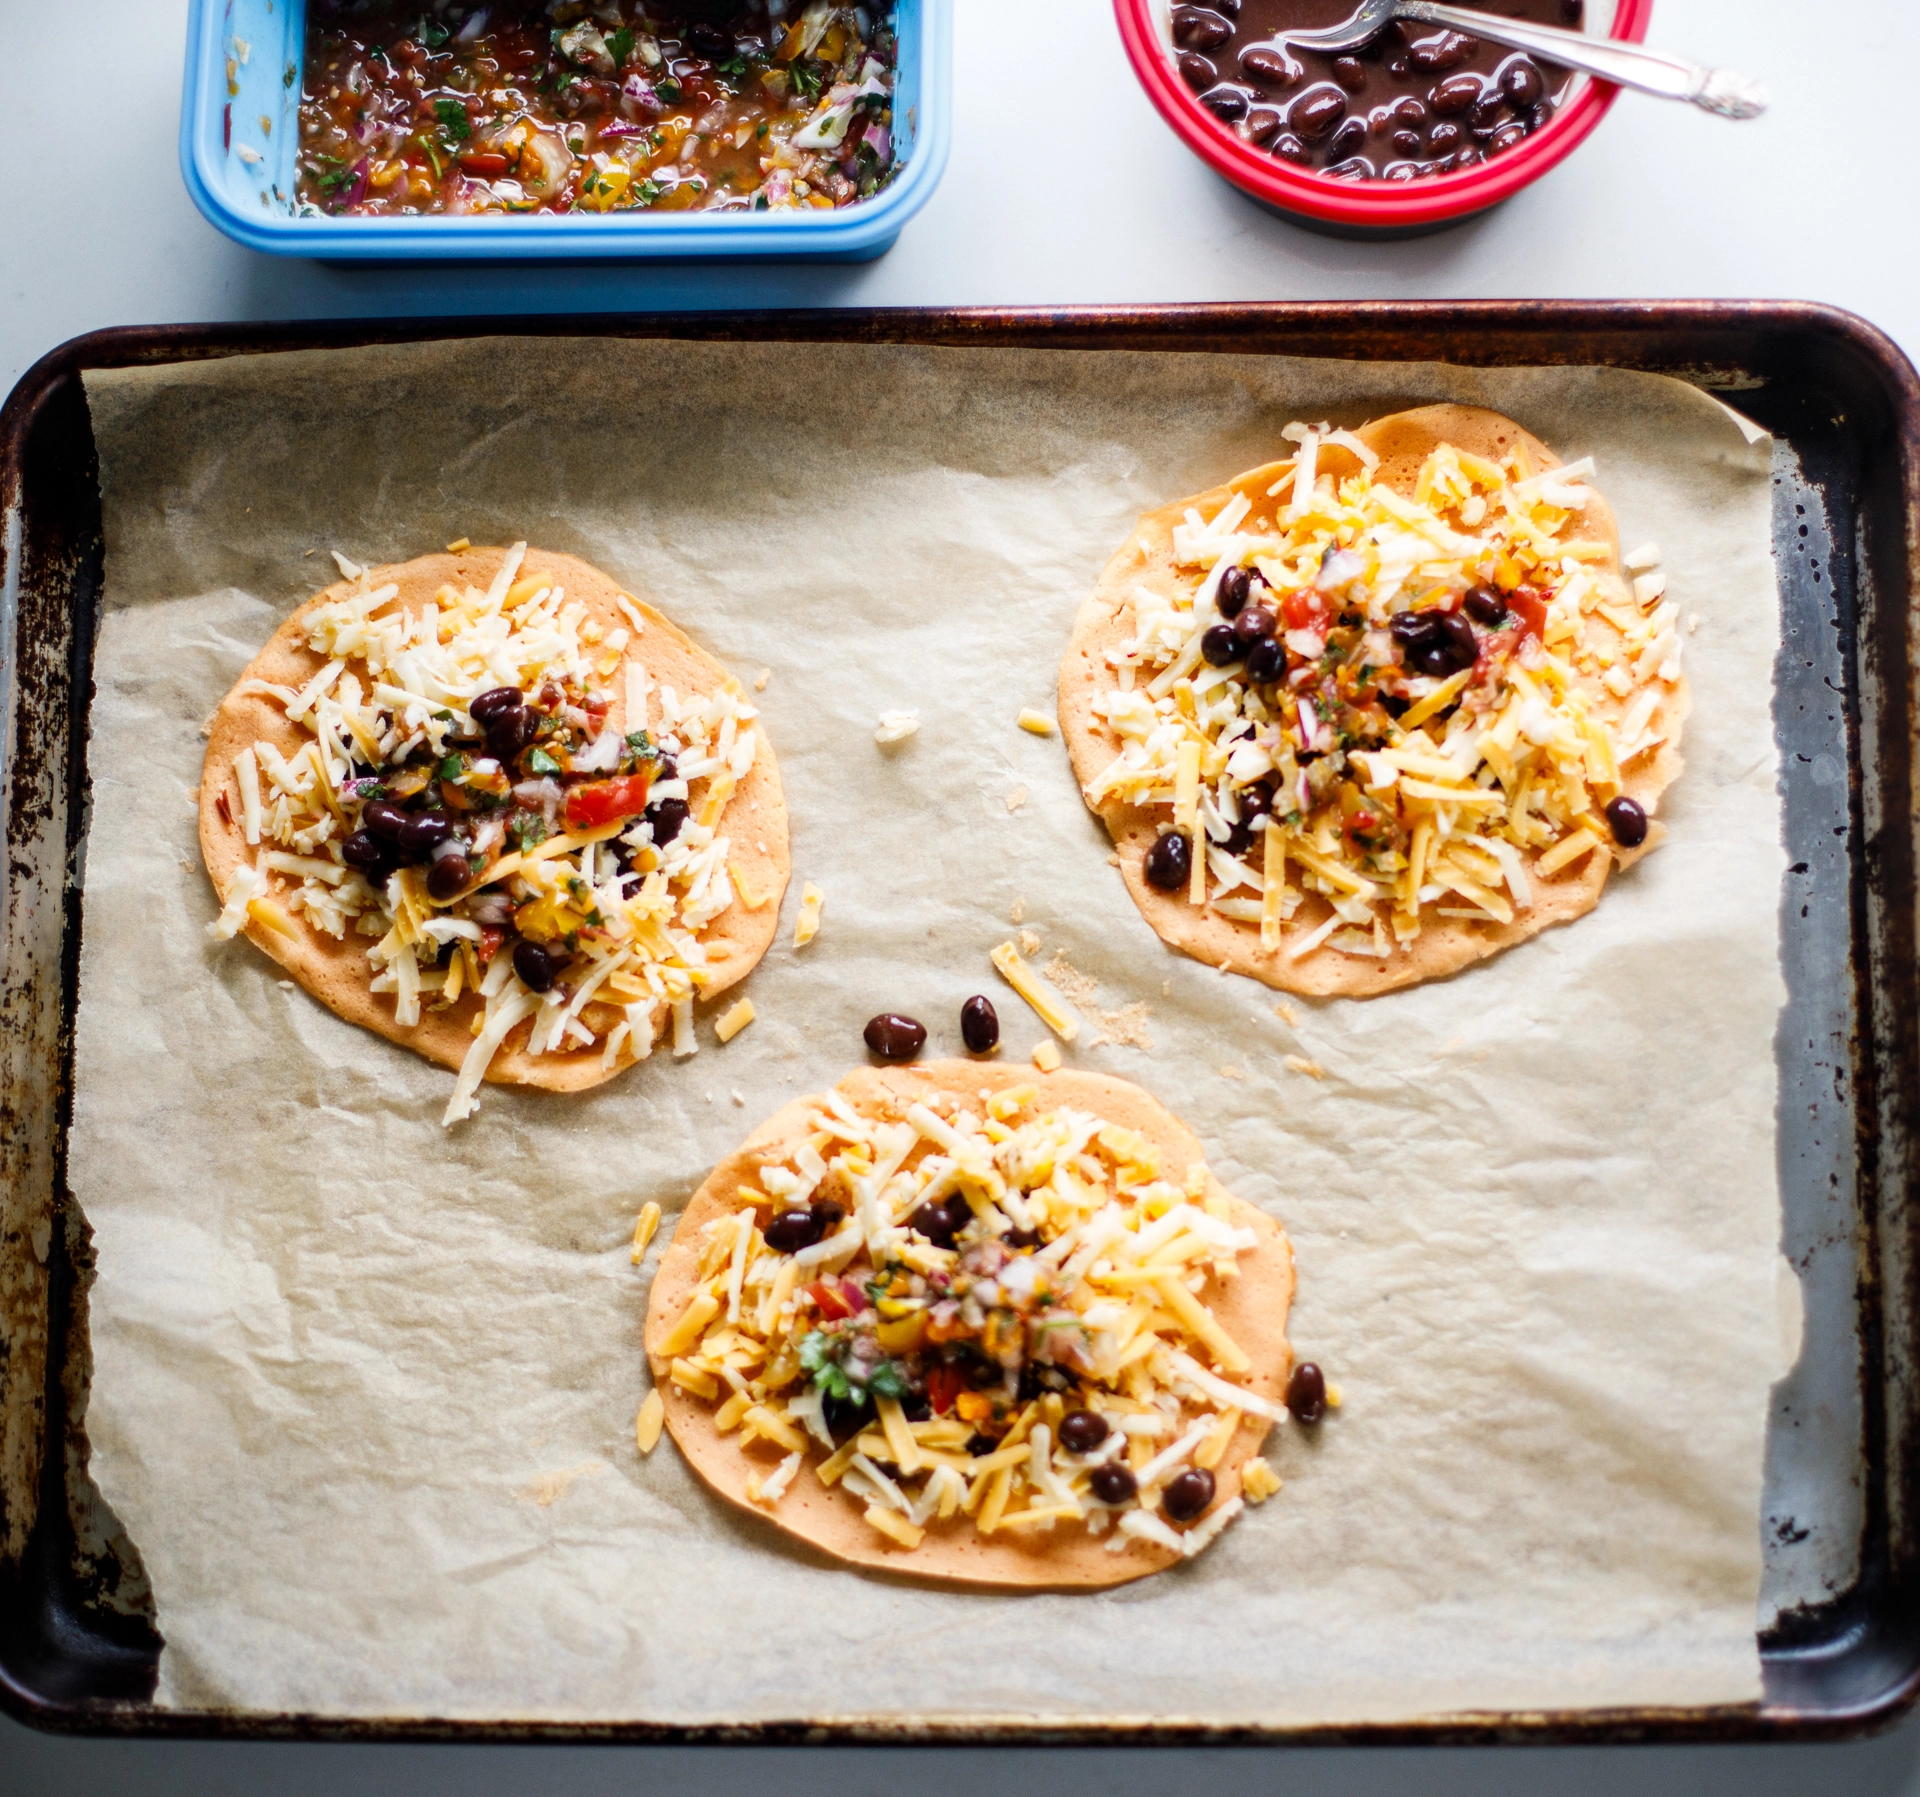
x,y
1103,1306
625,921
1355,760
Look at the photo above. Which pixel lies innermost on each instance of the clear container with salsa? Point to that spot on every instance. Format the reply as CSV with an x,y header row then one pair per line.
x,y
624,128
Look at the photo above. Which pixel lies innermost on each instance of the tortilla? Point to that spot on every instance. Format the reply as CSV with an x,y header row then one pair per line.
x,y
336,970
1252,1308
1445,945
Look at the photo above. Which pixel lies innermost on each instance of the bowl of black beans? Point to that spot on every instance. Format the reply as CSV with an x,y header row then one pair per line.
x,y
1417,129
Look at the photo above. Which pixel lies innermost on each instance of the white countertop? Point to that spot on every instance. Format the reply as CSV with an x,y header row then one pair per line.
x,y
1064,189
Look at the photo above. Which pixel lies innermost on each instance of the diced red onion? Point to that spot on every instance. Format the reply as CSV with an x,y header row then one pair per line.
x,y
879,140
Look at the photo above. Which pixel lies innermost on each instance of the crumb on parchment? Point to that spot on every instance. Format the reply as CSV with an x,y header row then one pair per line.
x,y
1126,1027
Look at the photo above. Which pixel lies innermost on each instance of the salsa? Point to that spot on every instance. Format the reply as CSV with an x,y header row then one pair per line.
x,y
1412,101
627,105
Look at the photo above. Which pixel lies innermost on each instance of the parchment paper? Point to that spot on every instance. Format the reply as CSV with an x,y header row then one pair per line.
x,y
364,1389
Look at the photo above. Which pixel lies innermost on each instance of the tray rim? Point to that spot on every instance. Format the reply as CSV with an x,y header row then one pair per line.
x,y
1464,333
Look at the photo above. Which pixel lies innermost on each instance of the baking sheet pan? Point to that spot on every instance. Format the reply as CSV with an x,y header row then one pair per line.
x,y
1813,1583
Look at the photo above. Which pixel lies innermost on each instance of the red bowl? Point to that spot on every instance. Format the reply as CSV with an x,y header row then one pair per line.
x,y
1362,208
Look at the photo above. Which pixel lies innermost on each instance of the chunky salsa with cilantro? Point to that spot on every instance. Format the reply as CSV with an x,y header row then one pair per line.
x,y
626,105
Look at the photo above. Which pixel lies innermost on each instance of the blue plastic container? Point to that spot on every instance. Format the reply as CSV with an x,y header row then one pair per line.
x,y
238,150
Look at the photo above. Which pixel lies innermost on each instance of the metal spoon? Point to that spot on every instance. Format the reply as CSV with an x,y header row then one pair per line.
x,y
1626,65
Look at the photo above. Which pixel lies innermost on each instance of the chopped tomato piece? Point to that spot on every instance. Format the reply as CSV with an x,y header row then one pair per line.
x,y
944,1384
483,162
605,801
1531,609
492,937
1303,610
829,1299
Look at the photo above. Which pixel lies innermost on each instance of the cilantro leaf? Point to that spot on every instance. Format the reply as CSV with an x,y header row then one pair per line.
x,y
620,46
527,828
817,1360
806,81
888,1380
540,762
452,768
432,35
453,119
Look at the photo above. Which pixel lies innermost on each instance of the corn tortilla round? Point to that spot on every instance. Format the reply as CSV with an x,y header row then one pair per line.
x,y
1445,945
1252,1309
336,971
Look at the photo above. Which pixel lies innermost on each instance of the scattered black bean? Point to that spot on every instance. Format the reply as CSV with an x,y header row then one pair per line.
x,y
485,707
895,1038
1509,134
1081,1431
1169,864
1437,643
1444,138
1627,819
845,1417
1113,1483
384,820
1261,123
1444,50
1319,109
1350,72
1289,148
1267,659
666,816
1347,140
449,874
1409,112
1021,1238
511,731
1219,645
424,832
1307,1393
714,42
1486,115
1229,103
1231,594
535,966
362,850
793,1230
942,1220
980,1024
1484,606
1256,621
1188,1494
1406,142
981,1444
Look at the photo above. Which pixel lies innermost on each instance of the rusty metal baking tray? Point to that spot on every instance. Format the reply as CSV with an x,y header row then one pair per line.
x,y
78,1647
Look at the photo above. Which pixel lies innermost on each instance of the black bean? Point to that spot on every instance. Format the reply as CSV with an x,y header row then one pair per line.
x,y
666,816
1188,1494
1169,863
1509,134
1355,168
1288,148
363,851
1021,1238
1484,606
1198,28
1267,659
1114,1483
1627,819
1229,103
939,1222
449,874
1261,123
384,820
1081,1431
895,1038
1443,139
1455,94
1318,110
981,1444
1468,157
846,1417
1522,82
1407,142
1403,171
1219,645
1350,72
1539,115
511,731
1231,594
1198,73
483,708
1409,112
1444,50
793,1230
1485,115
1307,1393
1348,139
1451,647
711,41
424,832
1271,66
980,1024
1255,801
535,966
1257,621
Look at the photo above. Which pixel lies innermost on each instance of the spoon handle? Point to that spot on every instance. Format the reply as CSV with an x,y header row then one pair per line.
x,y
1627,65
